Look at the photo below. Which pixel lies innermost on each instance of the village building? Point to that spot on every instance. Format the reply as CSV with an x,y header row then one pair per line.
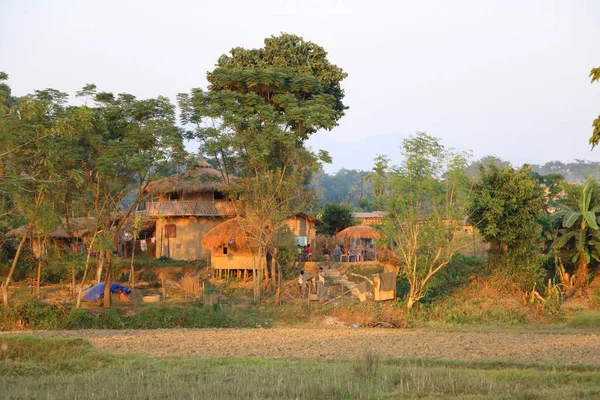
x,y
369,218
185,206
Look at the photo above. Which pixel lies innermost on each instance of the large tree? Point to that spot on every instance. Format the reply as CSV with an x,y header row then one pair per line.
x,y
425,207
505,207
260,107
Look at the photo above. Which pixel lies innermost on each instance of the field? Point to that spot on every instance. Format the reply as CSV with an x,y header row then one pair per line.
x,y
293,363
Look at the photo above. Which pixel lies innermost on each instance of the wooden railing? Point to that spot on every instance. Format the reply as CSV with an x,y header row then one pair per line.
x,y
195,208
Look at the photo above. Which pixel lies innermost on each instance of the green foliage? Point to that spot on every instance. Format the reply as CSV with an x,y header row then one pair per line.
x,y
458,272
110,319
595,76
425,205
505,207
585,320
33,314
335,218
80,318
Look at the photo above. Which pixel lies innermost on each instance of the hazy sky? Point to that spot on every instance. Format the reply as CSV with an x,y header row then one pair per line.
x,y
508,78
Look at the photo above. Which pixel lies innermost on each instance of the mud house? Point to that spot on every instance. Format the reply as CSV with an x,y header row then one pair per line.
x,y
185,206
232,251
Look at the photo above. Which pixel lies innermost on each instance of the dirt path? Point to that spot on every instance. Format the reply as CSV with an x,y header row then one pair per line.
x,y
346,343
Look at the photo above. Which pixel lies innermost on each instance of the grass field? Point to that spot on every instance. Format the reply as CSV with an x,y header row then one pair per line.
x,y
33,368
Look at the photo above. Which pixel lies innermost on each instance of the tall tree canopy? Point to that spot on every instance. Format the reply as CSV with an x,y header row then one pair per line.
x,y
260,107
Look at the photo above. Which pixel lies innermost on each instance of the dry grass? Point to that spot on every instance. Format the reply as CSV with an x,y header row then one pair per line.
x,y
31,369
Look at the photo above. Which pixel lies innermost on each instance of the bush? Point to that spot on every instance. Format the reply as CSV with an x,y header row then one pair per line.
x,y
152,317
111,320
34,314
80,318
8,319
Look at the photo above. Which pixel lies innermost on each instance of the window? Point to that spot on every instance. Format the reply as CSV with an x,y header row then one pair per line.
x,y
219,196
173,196
171,231
224,250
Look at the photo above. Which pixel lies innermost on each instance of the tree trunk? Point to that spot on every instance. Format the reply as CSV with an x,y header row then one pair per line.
x,y
257,276
100,267
581,274
38,278
132,272
107,281
6,284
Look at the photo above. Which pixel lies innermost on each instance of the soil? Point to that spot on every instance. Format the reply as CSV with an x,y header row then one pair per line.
x,y
338,342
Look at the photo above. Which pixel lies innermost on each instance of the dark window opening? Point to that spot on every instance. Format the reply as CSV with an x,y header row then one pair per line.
x,y
174,196
171,231
224,250
219,196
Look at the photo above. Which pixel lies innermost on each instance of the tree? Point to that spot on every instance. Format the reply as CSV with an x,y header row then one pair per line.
x,y
335,218
595,76
260,107
127,142
505,207
579,237
425,207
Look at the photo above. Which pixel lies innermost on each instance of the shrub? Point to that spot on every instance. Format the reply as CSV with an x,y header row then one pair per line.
x,y
8,319
152,317
111,320
80,318
34,314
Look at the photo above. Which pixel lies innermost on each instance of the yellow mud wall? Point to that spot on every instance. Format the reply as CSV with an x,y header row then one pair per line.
x,y
186,245
231,260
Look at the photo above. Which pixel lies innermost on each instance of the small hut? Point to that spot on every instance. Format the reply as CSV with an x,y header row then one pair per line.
x,y
231,250
365,235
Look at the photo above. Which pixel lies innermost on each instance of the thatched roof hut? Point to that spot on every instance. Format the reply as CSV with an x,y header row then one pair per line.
x,y
65,229
359,232
200,178
231,233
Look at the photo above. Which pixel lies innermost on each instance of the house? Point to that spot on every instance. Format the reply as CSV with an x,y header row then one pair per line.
x,y
231,250
369,218
303,226
185,206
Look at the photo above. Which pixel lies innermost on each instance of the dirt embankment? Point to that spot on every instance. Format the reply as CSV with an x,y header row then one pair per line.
x,y
347,343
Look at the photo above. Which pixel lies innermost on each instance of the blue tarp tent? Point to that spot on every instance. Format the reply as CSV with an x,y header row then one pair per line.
x,y
96,292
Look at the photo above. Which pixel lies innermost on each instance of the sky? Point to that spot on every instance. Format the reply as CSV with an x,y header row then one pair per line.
x,y
505,78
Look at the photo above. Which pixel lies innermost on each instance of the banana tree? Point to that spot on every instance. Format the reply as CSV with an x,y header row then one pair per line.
x,y
580,234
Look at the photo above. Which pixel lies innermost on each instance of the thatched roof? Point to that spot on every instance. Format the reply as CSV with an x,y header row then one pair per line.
x,y
231,233
359,232
200,178
77,227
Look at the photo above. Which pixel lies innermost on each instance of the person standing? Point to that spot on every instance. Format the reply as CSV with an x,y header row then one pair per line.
x,y
337,252
308,253
325,254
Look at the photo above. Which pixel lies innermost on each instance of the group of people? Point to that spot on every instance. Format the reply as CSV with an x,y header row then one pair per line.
x,y
340,253
304,254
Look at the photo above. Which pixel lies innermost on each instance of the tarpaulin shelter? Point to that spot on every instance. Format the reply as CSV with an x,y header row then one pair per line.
x,y
96,292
